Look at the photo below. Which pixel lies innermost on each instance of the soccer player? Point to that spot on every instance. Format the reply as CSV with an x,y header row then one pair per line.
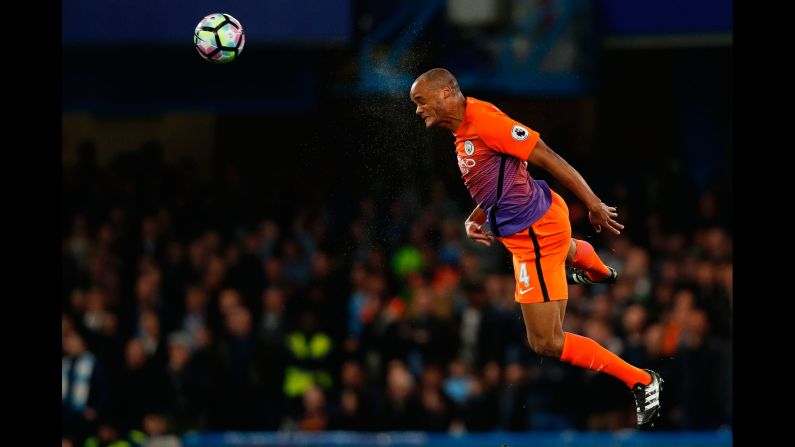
x,y
532,221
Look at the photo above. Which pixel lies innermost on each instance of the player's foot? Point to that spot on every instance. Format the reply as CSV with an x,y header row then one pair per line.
x,y
647,400
577,276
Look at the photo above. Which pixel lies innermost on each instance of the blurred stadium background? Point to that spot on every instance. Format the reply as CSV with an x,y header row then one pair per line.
x,y
271,252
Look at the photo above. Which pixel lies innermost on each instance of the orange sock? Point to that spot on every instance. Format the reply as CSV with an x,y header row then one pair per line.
x,y
587,259
586,353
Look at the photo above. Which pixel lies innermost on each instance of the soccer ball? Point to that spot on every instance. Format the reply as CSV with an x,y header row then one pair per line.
x,y
219,38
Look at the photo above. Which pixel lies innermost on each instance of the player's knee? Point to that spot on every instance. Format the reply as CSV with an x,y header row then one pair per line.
x,y
547,346
572,252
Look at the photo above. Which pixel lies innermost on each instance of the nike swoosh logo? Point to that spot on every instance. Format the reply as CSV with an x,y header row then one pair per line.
x,y
522,292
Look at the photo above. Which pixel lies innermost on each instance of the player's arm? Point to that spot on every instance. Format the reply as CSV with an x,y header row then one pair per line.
x,y
599,214
474,224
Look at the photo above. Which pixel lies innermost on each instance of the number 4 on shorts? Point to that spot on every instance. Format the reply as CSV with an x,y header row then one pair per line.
x,y
523,277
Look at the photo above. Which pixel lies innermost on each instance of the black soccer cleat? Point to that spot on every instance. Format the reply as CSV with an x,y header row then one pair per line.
x,y
577,276
647,400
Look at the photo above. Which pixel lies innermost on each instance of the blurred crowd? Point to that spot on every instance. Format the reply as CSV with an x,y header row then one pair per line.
x,y
185,311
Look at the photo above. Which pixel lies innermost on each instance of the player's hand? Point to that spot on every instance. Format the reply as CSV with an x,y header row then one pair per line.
x,y
604,216
476,233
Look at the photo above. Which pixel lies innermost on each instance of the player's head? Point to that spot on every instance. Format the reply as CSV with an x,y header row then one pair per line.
x,y
436,94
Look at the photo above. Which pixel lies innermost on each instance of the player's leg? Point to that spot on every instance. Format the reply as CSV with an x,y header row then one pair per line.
x,y
544,325
540,256
588,267
571,253
545,334
539,262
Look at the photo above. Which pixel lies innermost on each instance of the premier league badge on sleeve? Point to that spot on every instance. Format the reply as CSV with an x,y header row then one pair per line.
x,y
519,133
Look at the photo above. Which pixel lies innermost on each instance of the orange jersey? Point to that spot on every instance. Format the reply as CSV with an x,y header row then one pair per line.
x,y
492,151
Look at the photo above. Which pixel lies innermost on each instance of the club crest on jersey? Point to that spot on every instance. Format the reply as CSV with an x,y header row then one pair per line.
x,y
469,147
519,133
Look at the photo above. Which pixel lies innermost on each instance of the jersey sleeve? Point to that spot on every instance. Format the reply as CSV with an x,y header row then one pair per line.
x,y
505,135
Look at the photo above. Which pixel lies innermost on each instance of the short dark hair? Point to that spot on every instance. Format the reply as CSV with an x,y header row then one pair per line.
x,y
439,77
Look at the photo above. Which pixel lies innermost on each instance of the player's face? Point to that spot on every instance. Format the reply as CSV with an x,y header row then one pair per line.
x,y
429,103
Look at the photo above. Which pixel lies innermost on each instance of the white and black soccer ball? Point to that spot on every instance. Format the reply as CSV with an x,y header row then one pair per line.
x,y
219,38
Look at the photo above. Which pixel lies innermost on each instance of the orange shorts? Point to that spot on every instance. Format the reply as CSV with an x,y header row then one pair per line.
x,y
539,255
